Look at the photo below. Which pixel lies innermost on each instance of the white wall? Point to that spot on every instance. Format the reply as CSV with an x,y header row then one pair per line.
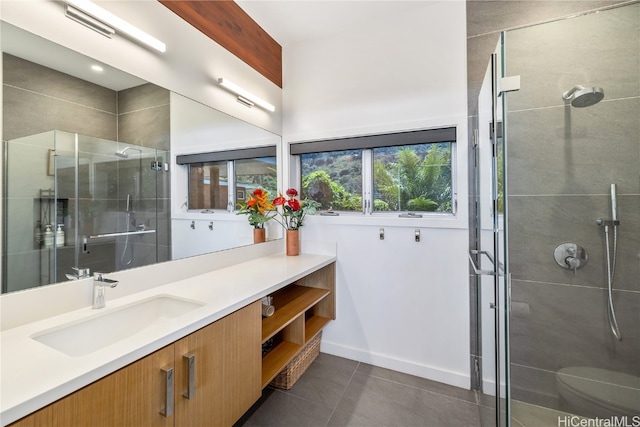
x,y
196,128
401,304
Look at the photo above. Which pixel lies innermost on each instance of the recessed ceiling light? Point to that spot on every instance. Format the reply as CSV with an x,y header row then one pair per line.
x,y
97,68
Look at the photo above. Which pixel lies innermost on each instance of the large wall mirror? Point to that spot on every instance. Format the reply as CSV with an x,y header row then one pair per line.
x,y
89,173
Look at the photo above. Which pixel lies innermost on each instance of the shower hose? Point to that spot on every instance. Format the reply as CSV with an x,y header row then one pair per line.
x,y
611,269
126,243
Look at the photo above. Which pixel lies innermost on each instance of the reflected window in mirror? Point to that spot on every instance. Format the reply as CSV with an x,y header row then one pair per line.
x,y
208,185
255,173
224,179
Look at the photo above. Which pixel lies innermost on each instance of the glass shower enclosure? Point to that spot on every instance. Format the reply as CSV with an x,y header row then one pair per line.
x,y
558,195
75,204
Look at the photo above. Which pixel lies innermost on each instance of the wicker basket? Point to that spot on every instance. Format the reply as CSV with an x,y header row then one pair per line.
x,y
294,370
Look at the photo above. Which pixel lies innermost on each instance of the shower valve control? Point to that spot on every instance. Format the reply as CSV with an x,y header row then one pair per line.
x,y
570,256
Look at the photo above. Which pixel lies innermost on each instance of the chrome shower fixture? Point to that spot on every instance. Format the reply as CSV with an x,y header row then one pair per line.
x,y
123,153
581,96
611,254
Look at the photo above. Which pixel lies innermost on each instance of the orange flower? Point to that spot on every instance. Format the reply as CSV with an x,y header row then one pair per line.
x,y
257,207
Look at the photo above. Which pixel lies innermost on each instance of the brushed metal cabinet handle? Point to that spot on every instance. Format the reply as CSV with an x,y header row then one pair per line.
x,y
190,358
167,411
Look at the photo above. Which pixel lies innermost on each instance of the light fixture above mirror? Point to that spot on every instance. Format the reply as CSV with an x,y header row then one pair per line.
x,y
106,23
244,96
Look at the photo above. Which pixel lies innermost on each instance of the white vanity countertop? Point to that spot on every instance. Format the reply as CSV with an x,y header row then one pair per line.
x,y
32,374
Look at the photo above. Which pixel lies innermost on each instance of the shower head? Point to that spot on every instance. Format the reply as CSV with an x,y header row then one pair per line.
x,y
123,153
581,96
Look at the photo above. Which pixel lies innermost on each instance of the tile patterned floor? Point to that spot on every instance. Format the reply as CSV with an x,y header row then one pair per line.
x,y
341,392
337,392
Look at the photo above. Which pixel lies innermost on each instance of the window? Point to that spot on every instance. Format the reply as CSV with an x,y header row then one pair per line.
x,y
400,172
413,178
255,173
221,180
334,179
208,185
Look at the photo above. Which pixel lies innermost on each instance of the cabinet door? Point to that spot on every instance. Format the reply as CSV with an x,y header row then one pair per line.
x,y
132,396
226,372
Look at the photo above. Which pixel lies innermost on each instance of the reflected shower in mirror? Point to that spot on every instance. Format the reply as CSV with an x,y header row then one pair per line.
x,y
87,166
73,204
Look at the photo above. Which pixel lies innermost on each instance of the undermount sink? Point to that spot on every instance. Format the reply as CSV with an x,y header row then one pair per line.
x,y
102,329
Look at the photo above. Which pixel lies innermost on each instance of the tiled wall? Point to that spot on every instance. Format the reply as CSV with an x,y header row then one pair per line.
x,y
561,162
38,99
143,120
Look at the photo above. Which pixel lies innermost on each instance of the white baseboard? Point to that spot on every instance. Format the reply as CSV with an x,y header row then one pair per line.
x,y
400,365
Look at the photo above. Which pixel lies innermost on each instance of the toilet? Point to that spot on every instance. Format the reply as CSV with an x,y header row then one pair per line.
x,y
601,393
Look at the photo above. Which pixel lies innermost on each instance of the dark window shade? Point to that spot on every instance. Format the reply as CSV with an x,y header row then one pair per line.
x,y
219,156
427,136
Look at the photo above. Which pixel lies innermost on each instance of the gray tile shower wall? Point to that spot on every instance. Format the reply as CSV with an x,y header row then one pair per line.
x,y
561,162
38,99
560,154
143,116
567,326
540,223
143,120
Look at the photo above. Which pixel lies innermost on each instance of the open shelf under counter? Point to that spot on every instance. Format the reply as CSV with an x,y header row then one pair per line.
x,y
276,359
313,326
290,303
302,309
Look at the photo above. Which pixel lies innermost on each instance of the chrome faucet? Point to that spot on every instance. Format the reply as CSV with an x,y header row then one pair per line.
x,y
80,273
99,283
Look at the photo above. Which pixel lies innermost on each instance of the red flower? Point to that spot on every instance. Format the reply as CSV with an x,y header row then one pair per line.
x,y
258,192
279,200
294,204
292,192
251,202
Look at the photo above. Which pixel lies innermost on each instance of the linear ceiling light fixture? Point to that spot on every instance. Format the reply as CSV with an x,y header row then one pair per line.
x,y
89,22
99,17
245,97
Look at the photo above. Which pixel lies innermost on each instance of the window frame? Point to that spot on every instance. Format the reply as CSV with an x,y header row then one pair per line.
x,y
230,156
367,144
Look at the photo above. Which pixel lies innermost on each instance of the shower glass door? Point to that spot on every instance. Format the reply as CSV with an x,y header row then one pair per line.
x,y
78,202
488,256
573,169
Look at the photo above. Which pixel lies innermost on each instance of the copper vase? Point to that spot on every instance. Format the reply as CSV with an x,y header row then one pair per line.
x,y
293,242
259,235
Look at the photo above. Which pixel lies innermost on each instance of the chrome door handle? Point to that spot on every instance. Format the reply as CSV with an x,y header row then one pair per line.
x,y
190,358
477,270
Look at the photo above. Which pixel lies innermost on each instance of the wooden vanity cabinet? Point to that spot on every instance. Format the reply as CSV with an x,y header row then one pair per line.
x,y
227,370
226,383
128,397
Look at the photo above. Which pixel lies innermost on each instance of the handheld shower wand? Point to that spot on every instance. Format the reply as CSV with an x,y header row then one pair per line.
x,y
128,214
611,251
